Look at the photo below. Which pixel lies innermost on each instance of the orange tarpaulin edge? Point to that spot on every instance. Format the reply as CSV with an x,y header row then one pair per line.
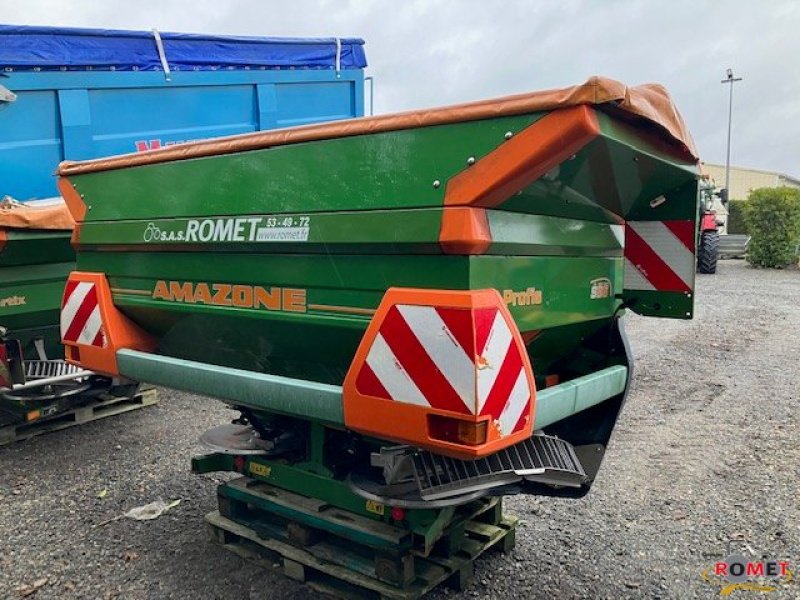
x,y
649,103
23,216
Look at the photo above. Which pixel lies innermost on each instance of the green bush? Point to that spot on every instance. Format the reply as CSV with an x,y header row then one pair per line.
x,y
736,222
772,217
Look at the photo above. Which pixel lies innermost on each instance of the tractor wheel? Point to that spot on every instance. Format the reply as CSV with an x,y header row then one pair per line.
x,y
709,252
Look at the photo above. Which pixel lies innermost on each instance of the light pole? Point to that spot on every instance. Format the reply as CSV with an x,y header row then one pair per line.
x,y
730,80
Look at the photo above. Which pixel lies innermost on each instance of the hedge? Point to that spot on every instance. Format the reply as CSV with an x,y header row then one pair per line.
x,y
736,222
772,217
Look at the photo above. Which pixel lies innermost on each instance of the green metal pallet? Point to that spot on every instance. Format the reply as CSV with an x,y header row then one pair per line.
x,y
345,554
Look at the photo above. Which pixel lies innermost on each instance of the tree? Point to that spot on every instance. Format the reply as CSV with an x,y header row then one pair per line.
x,y
772,216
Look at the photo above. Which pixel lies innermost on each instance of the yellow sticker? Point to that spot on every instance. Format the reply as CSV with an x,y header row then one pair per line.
x,y
376,507
259,469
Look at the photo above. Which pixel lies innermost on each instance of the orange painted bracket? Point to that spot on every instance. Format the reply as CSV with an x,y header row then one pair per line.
x,y
93,329
446,371
465,230
524,158
75,204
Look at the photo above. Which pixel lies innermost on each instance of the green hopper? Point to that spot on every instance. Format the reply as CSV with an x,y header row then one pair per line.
x,y
35,260
412,309
36,257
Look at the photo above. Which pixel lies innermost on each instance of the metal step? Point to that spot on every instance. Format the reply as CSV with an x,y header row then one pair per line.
x,y
540,458
45,369
733,245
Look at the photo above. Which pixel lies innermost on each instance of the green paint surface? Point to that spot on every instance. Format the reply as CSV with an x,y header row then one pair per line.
x,y
34,266
319,344
345,219
369,172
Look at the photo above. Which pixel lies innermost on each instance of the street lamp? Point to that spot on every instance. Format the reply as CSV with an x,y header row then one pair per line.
x,y
731,80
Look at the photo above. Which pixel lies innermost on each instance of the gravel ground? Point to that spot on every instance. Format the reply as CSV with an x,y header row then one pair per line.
x,y
707,449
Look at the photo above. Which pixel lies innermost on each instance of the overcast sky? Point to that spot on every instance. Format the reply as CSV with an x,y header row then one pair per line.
x,y
434,52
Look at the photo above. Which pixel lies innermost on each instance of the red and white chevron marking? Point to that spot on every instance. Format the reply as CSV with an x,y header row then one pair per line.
x,y
425,355
659,255
81,322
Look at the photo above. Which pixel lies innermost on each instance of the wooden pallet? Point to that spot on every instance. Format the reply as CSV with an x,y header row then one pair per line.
x,y
100,408
334,565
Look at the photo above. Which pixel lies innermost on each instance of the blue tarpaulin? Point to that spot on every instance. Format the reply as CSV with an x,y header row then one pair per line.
x,y
56,48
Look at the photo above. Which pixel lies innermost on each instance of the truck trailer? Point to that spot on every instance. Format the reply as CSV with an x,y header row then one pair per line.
x,y
71,94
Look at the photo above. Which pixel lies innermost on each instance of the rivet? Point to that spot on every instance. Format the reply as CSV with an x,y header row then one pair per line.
x,y
508,135
471,160
436,183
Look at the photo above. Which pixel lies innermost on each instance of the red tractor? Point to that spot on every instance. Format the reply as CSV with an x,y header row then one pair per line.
x,y
709,224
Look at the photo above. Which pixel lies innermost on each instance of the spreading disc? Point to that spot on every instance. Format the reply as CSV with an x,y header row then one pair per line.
x,y
232,439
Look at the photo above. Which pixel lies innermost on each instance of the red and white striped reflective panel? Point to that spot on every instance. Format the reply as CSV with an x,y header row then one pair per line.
x,y
81,322
659,255
426,355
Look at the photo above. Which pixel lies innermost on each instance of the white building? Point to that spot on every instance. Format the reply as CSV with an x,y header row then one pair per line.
x,y
744,181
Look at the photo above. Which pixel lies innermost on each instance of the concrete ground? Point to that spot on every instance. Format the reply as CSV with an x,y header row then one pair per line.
x,y
707,450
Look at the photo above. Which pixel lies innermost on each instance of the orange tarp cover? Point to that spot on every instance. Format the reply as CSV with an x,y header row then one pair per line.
x,y
648,105
16,215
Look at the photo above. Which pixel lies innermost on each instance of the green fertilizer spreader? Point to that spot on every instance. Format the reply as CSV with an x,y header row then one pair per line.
x,y
410,311
34,265
36,384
